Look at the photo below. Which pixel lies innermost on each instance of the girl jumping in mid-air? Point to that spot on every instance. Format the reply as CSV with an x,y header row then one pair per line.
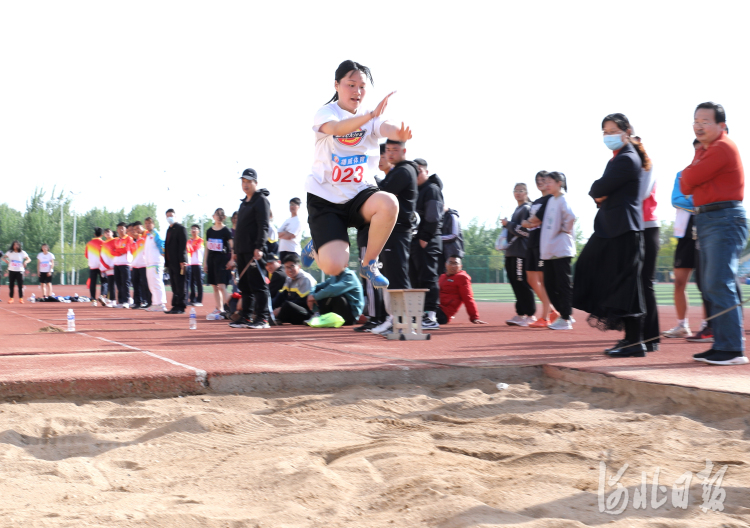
x,y
341,189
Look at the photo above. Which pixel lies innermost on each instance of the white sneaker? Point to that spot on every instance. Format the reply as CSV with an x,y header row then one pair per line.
x,y
678,331
516,321
214,316
155,308
386,327
197,304
561,324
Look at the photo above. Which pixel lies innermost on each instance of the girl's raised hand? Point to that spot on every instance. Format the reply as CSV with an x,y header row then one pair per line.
x,y
381,106
403,134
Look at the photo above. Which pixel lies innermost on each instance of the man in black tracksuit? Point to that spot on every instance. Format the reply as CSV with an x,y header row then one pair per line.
x,y
401,180
250,236
176,261
427,246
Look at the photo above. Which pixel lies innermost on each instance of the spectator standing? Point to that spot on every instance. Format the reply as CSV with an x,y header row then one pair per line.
x,y
427,245
452,236
534,263
92,252
608,282
196,252
515,260
16,258
141,291
122,251
455,290
716,181
44,270
176,260
557,248
290,232
651,245
250,238
219,244
153,250
400,181
272,245
107,267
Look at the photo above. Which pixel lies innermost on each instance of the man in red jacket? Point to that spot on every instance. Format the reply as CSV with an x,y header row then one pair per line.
x,y
455,290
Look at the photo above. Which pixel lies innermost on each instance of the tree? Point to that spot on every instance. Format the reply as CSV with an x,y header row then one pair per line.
x,y
11,226
142,211
41,221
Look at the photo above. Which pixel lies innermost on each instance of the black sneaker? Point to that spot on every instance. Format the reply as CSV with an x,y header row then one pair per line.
x,y
240,323
705,335
368,326
703,355
621,343
429,324
724,357
258,324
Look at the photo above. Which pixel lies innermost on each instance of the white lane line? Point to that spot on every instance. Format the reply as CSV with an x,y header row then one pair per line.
x,y
201,376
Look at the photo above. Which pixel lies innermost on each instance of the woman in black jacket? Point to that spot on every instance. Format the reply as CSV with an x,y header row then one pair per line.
x,y
608,272
515,258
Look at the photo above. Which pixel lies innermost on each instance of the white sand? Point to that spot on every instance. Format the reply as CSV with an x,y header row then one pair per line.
x,y
361,457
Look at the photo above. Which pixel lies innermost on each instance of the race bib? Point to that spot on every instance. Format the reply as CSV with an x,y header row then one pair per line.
x,y
44,267
16,263
215,244
349,169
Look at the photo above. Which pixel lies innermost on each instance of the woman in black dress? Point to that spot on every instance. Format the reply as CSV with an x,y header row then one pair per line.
x,y
608,272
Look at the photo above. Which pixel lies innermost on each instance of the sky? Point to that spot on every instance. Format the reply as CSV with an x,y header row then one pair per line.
x,y
167,102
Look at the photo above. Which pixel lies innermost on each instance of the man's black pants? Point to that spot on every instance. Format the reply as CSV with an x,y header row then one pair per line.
x,y
525,303
395,259
122,278
141,292
177,283
293,313
94,275
423,270
253,286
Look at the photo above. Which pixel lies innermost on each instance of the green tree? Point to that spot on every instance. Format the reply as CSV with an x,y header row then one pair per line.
x,y
141,211
41,221
11,226
94,218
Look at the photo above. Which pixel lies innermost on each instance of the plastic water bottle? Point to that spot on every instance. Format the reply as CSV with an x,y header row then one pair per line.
x,y
32,299
71,320
193,319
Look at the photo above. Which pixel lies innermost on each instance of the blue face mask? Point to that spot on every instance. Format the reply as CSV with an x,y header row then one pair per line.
x,y
614,142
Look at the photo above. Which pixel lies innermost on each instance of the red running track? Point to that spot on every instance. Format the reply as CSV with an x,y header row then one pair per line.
x,y
117,352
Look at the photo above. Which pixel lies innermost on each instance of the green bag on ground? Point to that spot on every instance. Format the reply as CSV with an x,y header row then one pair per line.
x,y
329,320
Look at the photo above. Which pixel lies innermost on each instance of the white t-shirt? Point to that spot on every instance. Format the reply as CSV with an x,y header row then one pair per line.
x,y
16,260
294,226
45,262
344,165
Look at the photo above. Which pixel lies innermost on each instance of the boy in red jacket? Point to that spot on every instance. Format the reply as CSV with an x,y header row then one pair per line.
x,y
455,290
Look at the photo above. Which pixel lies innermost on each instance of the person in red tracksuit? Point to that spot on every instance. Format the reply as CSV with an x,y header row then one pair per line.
x,y
455,290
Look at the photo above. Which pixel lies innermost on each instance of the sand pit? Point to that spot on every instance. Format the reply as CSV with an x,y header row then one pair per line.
x,y
405,456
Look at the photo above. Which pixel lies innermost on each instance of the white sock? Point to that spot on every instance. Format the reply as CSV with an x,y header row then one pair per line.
x,y
431,315
704,324
682,322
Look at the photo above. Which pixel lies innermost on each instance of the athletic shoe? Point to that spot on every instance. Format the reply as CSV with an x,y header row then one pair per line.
x,y
703,355
130,301
384,327
561,324
705,335
94,303
553,315
103,300
308,256
372,273
118,305
258,324
213,316
21,300
175,311
723,357
540,323
678,331
521,320
197,304
11,301
155,308
239,323
368,326
429,324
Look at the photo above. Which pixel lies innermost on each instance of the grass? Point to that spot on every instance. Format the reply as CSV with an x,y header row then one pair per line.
x,y
664,293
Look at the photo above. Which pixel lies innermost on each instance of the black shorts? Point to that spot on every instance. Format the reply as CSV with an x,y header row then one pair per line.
x,y
533,260
684,253
217,269
45,278
329,221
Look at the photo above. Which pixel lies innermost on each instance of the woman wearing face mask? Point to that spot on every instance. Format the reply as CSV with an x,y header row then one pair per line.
x,y
341,189
515,257
608,273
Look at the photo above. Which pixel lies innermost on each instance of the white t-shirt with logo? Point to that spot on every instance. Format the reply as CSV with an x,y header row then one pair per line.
x,y
344,165
45,262
16,259
294,226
